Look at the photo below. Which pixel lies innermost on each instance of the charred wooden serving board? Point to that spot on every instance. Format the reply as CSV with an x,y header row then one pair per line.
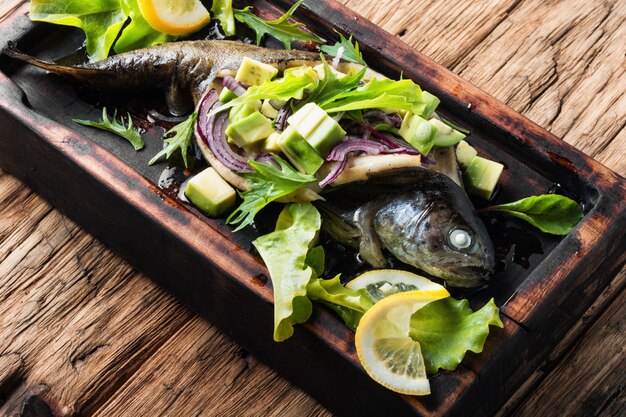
x,y
109,190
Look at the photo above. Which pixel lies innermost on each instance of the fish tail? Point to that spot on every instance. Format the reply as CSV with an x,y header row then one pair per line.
x,y
13,51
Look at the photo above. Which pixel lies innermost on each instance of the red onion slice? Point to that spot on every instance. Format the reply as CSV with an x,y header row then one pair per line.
x,y
237,87
337,169
212,132
368,147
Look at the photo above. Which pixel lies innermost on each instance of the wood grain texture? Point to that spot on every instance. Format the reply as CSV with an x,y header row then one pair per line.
x,y
543,58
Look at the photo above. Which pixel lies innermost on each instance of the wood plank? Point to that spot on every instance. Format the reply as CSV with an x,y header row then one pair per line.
x,y
80,319
560,66
200,372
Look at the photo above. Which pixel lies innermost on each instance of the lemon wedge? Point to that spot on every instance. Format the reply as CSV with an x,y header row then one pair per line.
x,y
384,346
384,282
175,17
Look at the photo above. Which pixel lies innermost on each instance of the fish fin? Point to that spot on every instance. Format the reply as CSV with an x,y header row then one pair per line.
x,y
178,99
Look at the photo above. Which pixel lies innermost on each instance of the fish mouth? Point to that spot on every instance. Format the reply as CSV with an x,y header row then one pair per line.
x,y
469,276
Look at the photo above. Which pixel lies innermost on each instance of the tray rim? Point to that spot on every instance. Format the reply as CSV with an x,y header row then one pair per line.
x,y
609,185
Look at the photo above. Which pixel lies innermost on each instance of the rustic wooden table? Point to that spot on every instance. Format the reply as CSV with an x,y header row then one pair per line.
x,y
82,333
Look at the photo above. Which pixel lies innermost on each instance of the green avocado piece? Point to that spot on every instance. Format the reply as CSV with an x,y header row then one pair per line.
x,y
299,152
268,110
243,110
320,130
464,154
431,104
252,72
445,135
250,130
226,95
418,132
481,177
210,193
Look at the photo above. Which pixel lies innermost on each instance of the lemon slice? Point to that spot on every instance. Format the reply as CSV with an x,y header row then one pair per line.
x,y
384,282
175,17
384,346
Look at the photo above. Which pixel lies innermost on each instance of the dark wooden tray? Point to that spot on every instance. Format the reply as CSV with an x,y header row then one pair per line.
x,y
109,190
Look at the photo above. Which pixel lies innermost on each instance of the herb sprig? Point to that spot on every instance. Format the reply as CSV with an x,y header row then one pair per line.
x,y
181,140
120,129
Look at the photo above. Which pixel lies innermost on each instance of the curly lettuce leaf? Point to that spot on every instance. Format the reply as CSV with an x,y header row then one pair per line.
x,y
284,252
138,34
267,183
179,139
349,304
280,29
124,130
385,93
331,87
446,329
289,87
101,20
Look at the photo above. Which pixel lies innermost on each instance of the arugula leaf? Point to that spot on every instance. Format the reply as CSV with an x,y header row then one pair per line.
x,y
101,20
280,29
288,87
447,328
385,93
138,33
223,11
183,133
550,213
331,86
349,304
284,252
113,126
268,183
351,50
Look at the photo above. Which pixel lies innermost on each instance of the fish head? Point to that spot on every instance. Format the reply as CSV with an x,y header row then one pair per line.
x,y
437,230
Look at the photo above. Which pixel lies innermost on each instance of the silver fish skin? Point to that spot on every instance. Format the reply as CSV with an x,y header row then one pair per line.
x,y
421,217
185,70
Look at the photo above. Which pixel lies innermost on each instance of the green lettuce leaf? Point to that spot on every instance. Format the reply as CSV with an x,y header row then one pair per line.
x,y
284,252
316,259
138,34
349,304
351,50
285,88
280,29
268,183
331,87
448,328
101,20
223,11
550,213
385,93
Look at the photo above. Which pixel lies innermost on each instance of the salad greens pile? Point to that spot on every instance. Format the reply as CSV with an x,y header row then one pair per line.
x,y
446,329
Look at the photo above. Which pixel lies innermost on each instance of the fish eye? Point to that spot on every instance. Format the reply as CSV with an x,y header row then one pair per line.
x,y
460,239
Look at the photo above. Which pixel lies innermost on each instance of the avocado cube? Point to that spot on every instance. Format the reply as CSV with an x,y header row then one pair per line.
x,y
444,134
317,127
243,110
418,132
464,154
252,72
272,143
226,95
481,177
325,136
250,130
299,152
210,193
431,103
268,110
